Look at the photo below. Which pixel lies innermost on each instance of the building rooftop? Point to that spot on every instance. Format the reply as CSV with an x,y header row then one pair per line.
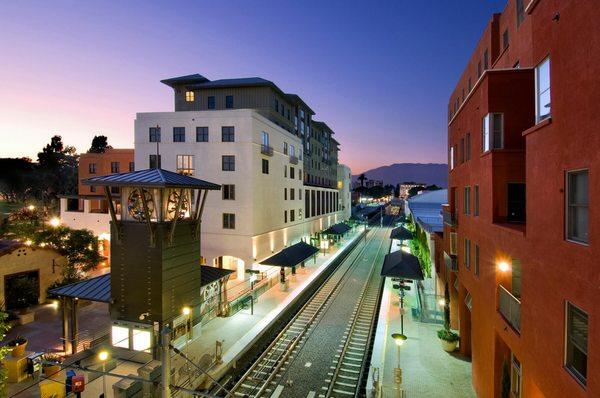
x,y
187,79
6,246
158,178
426,209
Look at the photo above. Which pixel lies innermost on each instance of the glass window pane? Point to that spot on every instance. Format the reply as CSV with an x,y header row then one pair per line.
x,y
120,336
142,340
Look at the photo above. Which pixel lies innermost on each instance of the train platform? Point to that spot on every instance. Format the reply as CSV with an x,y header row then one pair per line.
x,y
427,370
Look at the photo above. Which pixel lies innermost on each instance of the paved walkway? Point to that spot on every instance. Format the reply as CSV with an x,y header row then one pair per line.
x,y
427,370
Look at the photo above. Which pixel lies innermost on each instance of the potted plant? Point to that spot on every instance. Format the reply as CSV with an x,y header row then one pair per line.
x,y
18,345
51,364
447,337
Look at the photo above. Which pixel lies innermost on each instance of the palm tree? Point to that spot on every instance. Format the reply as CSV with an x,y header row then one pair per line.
x,y
362,179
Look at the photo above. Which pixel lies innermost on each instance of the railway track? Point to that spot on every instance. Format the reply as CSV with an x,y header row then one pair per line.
x,y
264,377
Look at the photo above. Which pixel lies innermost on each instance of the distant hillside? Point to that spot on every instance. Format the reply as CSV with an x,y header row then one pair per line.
x,y
428,173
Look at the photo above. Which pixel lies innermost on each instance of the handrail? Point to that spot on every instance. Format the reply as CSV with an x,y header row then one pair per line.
x,y
509,307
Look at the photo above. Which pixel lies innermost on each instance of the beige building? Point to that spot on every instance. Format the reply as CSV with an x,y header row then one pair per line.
x,y
26,273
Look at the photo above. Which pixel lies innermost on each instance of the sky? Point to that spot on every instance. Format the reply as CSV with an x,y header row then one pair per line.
x,y
379,73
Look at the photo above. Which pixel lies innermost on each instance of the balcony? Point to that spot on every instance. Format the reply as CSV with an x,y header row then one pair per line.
x,y
451,262
450,217
510,308
293,159
266,150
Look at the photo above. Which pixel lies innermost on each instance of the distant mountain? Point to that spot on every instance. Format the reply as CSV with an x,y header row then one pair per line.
x,y
428,173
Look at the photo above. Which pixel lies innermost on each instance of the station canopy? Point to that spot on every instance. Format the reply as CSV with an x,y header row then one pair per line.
x,y
337,229
401,233
400,264
291,256
98,288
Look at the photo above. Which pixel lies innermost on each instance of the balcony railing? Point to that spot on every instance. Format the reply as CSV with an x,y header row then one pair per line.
x,y
451,262
293,159
266,150
510,308
450,218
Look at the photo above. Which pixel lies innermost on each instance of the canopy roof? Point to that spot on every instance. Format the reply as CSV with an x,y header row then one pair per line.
x,y
400,264
291,256
98,288
401,233
337,229
426,209
156,178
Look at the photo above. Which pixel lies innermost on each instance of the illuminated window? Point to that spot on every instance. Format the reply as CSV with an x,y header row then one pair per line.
x,y
577,206
189,96
120,336
185,164
142,340
492,132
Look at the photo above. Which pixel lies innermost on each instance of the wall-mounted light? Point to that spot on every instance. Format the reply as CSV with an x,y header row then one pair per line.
x,y
503,266
54,222
186,310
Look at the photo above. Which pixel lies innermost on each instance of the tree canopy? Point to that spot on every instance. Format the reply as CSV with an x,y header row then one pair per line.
x,y
99,144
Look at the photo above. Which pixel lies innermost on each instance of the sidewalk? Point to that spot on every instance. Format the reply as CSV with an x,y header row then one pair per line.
x,y
427,370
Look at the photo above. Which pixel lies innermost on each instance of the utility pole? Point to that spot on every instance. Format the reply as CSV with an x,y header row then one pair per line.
x,y
165,338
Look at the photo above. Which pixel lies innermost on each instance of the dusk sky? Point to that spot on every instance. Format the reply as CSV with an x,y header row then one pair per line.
x,y
378,73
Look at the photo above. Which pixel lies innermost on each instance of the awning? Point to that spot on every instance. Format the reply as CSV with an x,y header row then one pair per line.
x,y
93,289
400,264
337,229
401,233
291,256
210,274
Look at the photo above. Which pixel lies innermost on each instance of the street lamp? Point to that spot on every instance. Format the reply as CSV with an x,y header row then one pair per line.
x,y
187,311
399,339
103,356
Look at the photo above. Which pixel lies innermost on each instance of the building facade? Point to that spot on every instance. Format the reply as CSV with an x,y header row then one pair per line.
x,y
257,142
519,237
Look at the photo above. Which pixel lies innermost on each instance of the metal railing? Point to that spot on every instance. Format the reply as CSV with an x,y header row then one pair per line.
x,y
450,218
451,262
510,308
266,150
293,159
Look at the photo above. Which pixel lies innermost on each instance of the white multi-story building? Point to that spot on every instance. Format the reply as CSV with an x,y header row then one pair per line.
x,y
264,205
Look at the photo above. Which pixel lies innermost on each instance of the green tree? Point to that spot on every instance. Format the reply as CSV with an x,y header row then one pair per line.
x,y
362,179
57,171
15,179
4,328
99,144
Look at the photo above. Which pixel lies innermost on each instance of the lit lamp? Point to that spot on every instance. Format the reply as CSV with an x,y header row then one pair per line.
x,y
103,357
187,311
399,339
54,222
31,207
503,266
442,302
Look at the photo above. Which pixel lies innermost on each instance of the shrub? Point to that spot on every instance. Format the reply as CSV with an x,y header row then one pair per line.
x,y
447,335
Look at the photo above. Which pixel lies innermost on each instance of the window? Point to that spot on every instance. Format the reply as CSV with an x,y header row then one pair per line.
x,y
154,133
467,259
576,351
492,136
292,150
462,150
228,221
292,215
228,192
284,170
542,90
131,166
292,194
520,12
284,193
201,134
228,134
476,260
265,166
185,164
92,188
505,39
515,377
265,139
467,200
189,96
486,60
299,194
228,162
229,101
92,168
115,167
178,134
451,157
153,163
292,172
300,175
210,102
479,69
577,206
115,190
285,148
476,201
468,146
285,216
470,85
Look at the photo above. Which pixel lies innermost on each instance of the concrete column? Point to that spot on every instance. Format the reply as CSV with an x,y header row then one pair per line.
x,y
67,346
74,325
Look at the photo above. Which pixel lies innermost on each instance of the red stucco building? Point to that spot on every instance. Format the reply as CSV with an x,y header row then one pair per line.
x,y
521,234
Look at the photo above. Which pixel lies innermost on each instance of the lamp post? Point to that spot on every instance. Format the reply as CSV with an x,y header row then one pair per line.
x,y
103,357
187,311
399,339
